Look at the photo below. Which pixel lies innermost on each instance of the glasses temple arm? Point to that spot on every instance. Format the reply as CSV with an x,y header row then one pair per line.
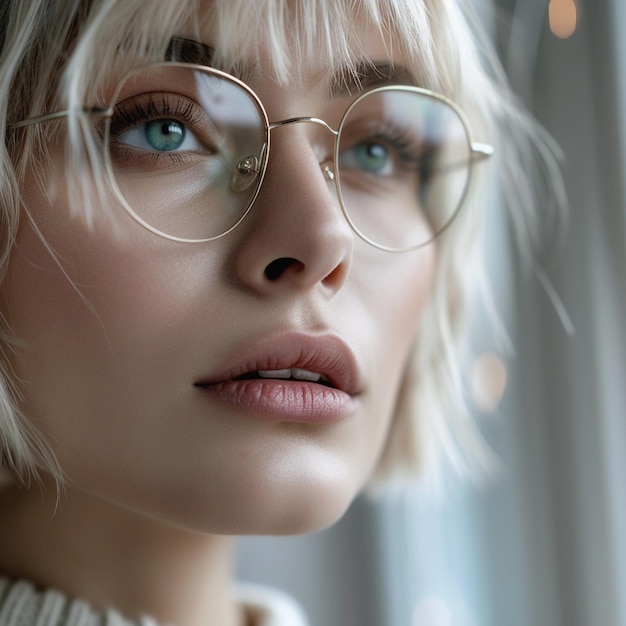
x,y
479,152
59,114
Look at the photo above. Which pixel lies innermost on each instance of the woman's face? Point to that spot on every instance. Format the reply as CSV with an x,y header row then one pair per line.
x,y
131,346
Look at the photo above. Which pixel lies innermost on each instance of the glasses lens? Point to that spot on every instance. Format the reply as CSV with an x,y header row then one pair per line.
x,y
403,165
185,150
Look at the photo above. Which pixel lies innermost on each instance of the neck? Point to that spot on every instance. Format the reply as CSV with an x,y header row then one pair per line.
x,y
113,557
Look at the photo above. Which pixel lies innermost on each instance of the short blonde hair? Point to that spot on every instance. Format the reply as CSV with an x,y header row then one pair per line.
x,y
55,54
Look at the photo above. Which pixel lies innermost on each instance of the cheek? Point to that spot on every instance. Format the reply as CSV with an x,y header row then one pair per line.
x,y
106,347
393,291
99,285
89,312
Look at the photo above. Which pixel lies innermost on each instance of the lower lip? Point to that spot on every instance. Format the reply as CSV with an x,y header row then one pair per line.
x,y
285,400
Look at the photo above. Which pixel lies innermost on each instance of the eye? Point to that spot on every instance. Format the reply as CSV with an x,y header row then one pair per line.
x,y
161,135
371,157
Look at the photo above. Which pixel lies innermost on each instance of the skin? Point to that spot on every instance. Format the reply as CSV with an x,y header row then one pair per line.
x,y
117,326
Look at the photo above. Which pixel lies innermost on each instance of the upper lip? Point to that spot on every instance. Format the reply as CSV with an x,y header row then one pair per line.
x,y
325,354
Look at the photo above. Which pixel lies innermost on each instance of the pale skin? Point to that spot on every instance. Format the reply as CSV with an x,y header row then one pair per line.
x,y
159,473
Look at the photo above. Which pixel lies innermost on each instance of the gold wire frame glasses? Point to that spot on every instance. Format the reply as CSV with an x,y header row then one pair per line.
x,y
186,149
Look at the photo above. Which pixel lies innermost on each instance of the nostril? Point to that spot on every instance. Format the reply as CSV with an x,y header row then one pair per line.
x,y
277,267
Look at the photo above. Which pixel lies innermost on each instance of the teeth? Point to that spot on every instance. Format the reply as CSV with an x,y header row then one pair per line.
x,y
275,373
294,372
305,375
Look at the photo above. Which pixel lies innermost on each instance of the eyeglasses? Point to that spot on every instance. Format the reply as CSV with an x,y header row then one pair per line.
x,y
186,149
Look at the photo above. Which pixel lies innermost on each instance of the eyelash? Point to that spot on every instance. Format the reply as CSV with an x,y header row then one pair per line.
x,y
409,150
128,115
143,108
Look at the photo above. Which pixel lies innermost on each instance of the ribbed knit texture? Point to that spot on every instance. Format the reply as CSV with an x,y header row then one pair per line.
x,y
22,605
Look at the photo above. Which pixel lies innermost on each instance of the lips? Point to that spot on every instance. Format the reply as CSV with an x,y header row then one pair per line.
x,y
294,377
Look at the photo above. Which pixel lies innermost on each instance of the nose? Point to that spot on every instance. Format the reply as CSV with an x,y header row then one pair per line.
x,y
296,236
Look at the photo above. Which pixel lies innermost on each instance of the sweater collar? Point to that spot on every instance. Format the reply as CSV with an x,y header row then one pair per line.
x,y
21,603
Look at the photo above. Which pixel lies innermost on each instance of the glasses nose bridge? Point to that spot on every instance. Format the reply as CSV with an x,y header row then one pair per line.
x,y
304,120
327,166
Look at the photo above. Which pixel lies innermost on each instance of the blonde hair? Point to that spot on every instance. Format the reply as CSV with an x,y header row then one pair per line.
x,y
56,53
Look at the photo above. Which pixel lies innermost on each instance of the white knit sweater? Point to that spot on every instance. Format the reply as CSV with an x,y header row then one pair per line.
x,y
23,605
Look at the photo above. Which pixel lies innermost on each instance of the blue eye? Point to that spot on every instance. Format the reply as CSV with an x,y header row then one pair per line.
x,y
164,135
370,157
160,135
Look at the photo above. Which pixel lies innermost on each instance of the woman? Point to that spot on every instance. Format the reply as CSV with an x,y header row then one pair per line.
x,y
206,337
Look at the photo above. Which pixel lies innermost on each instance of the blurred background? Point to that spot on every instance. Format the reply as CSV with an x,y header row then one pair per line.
x,y
544,543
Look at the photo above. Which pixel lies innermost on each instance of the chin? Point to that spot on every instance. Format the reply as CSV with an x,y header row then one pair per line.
x,y
311,510
277,506
307,500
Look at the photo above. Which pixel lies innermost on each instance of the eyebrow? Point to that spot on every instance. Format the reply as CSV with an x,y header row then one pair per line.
x,y
187,50
366,75
346,81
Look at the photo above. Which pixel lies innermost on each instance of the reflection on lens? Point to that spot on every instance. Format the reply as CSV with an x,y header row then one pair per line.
x,y
201,185
403,162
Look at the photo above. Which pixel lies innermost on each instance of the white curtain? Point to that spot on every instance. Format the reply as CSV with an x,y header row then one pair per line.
x,y
546,545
